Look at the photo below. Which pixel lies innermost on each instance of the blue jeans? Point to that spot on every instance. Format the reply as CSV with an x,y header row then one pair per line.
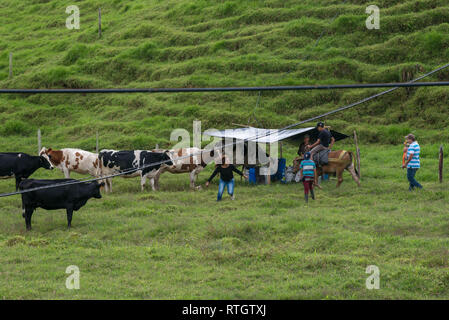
x,y
221,187
411,172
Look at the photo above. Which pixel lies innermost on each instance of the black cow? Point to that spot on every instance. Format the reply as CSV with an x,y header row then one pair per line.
x,y
113,162
70,197
21,165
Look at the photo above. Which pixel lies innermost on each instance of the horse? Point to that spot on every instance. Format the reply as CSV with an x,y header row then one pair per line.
x,y
339,161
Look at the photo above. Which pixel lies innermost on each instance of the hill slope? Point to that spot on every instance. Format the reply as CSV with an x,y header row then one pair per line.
x,y
217,43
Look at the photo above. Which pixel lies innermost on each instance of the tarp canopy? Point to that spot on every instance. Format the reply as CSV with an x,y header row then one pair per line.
x,y
270,135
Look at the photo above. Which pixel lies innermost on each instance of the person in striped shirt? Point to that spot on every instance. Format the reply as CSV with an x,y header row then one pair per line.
x,y
308,174
412,162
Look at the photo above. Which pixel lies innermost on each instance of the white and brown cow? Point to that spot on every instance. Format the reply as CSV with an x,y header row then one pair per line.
x,y
76,160
185,160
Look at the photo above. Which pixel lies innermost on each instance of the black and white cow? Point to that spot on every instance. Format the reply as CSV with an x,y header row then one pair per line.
x,y
113,162
21,165
70,197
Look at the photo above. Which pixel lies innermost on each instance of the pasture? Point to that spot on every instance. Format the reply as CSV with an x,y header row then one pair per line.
x,y
180,244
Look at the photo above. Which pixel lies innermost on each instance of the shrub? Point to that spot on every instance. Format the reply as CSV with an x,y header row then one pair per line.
x,y
148,51
432,42
226,9
15,127
349,23
76,52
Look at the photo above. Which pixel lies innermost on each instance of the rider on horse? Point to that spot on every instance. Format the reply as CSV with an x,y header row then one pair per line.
x,y
325,141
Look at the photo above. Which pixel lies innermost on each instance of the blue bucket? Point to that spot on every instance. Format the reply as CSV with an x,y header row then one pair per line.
x,y
252,175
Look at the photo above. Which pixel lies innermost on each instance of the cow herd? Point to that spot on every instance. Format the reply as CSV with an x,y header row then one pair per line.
x,y
71,194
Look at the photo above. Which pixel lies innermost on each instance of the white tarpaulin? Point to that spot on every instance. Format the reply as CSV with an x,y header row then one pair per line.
x,y
257,134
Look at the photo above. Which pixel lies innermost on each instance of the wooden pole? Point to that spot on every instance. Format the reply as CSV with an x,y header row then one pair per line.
x,y
357,150
10,65
97,146
39,141
440,166
280,149
99,22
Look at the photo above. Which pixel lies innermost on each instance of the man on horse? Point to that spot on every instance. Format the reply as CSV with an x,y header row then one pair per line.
x,y
325,140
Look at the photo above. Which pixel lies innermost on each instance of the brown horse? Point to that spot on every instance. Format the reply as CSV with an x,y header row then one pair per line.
x,y
339,161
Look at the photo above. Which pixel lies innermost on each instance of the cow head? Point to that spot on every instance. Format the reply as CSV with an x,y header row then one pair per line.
x,y
166,157
54,156
97,186
45,160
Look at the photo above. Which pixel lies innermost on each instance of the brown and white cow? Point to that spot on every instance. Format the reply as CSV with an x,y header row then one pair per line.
x,y
185,160
76,160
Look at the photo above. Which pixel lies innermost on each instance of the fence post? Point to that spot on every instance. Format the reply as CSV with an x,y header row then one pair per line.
x,y
99,22
10,65
357,151
39,141
440,166
280,149
97,145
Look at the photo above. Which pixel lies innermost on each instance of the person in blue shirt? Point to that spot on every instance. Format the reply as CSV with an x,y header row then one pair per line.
x,y
308,174
412,162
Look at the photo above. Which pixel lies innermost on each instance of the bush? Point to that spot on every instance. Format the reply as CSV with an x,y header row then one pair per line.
x,y
349,23
226,9
148,51
15,127
76,52
432,42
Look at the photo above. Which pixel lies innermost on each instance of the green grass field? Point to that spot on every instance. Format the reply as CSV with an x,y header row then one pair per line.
x,y
266,244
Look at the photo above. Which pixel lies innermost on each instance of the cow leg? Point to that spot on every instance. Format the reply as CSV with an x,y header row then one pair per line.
x,y
155,180
353,174
153,185
66,173
28,214
197,172
192,179
143,181
69,217
108,185
18,180
339,177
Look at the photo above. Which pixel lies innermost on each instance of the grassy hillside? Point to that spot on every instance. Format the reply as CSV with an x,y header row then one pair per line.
x,y
218,43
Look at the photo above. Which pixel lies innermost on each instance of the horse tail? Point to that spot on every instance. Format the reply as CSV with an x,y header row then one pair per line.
x,y
352,160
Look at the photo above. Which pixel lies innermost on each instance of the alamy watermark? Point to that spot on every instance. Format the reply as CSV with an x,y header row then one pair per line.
x,y
373,21
373,281
72,21
73,280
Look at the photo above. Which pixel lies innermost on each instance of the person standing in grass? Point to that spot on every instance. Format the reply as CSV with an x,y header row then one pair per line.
x,y
226,177
309,175
412,161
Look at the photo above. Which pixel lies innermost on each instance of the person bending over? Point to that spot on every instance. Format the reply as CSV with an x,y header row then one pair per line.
x,y
309,176
226,177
